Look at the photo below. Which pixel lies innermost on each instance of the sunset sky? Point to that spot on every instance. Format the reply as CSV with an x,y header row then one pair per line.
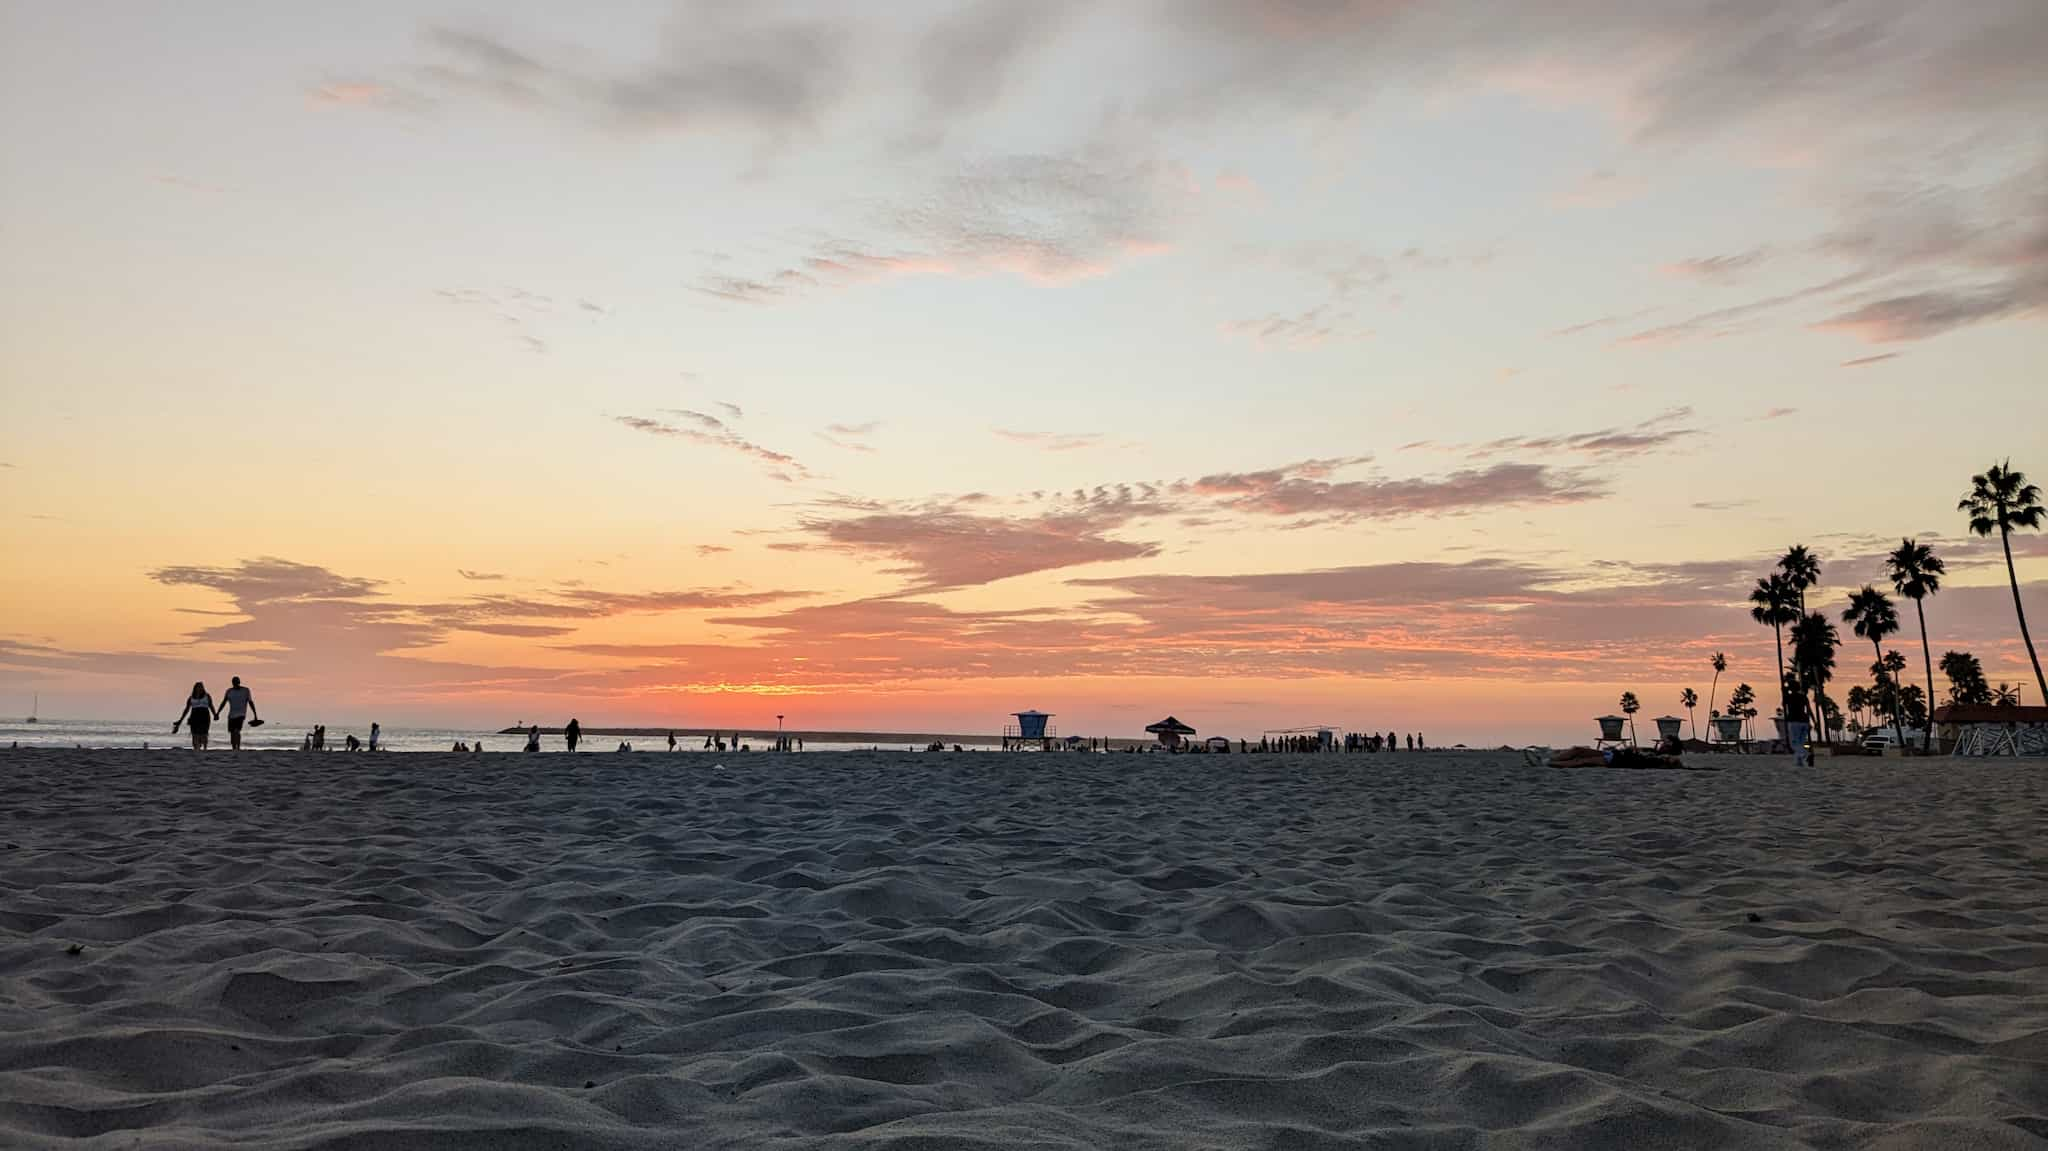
x,y
1441,366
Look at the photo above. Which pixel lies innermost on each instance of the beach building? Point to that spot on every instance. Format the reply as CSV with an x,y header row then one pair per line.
x,y
1975,730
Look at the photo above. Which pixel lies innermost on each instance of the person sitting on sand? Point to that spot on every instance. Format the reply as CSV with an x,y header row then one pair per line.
x,y
573,734
196,714
353,743
459,748
533,738
236,700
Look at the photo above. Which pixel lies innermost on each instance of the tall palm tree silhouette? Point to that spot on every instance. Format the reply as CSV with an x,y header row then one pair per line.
x,y
1802,571
2002,499
1871,611
1629,707
1916,574
1720,663
1774,598
1802,568
1814,641
1691,700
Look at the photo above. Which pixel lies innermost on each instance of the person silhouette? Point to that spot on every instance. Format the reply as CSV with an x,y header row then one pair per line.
x,y
533,738
197,714
573,734
376,733
236,700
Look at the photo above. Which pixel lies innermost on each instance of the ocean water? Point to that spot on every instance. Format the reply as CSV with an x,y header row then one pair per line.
x,y
286,736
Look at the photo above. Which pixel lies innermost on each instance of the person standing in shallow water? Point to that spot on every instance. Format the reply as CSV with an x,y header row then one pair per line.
x,y
573,734
197,715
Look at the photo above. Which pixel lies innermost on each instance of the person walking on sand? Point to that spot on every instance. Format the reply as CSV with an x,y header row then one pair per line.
x,y
236,700
671,741
1796,725
573,734
196,714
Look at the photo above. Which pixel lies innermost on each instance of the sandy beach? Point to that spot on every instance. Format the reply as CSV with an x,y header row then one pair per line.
x,y
927,951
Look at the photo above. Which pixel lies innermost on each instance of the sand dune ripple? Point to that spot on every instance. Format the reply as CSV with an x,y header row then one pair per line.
x,y
1444,951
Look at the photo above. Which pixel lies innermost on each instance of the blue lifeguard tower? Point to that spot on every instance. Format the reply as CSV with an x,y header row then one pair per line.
x,y
1031,727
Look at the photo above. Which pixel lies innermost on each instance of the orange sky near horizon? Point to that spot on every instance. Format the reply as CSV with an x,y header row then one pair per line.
x,y
1440,367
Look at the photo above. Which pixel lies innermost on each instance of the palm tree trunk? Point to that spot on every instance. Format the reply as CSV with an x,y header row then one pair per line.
x,y
2005,537
1710,699
1778,631
1883,676
1926,657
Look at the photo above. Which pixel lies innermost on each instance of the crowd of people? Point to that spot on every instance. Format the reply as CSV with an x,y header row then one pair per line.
x,y
200,711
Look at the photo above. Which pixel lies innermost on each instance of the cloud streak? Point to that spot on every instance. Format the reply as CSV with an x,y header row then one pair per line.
x,y
709,431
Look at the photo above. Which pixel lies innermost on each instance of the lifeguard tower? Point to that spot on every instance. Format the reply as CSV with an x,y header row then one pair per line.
x,y
1610,731
1031,728
1728,729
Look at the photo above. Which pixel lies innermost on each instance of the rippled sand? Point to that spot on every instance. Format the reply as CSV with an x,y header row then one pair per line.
x,y
1441,951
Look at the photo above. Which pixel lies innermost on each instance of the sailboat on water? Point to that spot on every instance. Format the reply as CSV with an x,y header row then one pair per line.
x,y
35,707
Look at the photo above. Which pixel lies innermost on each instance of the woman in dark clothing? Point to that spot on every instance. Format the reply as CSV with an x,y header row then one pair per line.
x,y
197,714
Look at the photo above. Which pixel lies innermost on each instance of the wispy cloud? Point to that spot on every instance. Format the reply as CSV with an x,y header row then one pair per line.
x,y
349,92
1654,433
711,432
1051,441
1306,490
1716,268
1860,361
1608,321
852,437
1298,330
467,574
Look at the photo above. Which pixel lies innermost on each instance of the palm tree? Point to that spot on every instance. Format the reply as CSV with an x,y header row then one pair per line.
x,y
1802,571
1740,702
1916,574
1814,641
1691,699
2005,695
1720,662
1774,599
1965,674
1872,612
1629,707
2001,498
1858,700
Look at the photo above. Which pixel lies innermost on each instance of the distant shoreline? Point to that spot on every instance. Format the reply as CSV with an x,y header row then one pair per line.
x,y
868,737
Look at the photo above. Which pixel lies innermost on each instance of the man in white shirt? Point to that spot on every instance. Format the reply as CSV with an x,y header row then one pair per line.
x,y
237,700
